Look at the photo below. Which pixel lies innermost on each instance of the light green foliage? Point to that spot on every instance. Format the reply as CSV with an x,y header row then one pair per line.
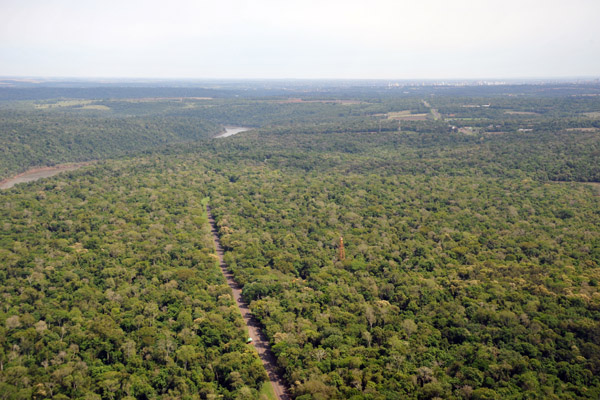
x,y
109,287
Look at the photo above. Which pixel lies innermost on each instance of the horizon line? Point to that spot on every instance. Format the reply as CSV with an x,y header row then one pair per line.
x,y
149,78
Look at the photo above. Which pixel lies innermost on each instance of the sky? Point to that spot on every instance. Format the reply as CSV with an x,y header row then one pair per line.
x,y
308,39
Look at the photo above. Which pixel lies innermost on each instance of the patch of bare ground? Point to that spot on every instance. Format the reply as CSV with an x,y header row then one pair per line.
x,y
40,172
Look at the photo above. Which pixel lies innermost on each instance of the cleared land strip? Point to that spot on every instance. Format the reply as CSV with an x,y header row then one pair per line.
x,y
436,114
259,339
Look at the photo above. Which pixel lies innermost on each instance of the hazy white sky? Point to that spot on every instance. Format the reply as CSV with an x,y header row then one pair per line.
x,y
402,39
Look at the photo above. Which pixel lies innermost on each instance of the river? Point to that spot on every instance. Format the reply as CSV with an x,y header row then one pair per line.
x,y
232,130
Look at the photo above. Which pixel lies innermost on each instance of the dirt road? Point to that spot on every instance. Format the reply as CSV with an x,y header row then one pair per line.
x,y
259,339
436,114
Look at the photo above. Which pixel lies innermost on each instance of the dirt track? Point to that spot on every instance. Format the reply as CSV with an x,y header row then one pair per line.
x,y
436,114
259,339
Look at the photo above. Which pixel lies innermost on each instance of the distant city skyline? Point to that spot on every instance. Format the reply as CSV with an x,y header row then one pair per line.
x,y
269,39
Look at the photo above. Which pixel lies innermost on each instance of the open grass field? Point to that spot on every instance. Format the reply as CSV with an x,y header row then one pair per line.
x,y
467,130
511,112
582,129
63,103
406,115
100,107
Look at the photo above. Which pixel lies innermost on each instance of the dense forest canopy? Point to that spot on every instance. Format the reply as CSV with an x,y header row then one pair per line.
x,y
470,220
110,289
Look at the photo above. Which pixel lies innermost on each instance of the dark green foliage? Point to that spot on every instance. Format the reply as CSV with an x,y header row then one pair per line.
x,y
40,138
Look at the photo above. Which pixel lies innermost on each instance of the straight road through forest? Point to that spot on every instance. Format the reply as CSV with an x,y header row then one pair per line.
x,y
436,114
259,339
